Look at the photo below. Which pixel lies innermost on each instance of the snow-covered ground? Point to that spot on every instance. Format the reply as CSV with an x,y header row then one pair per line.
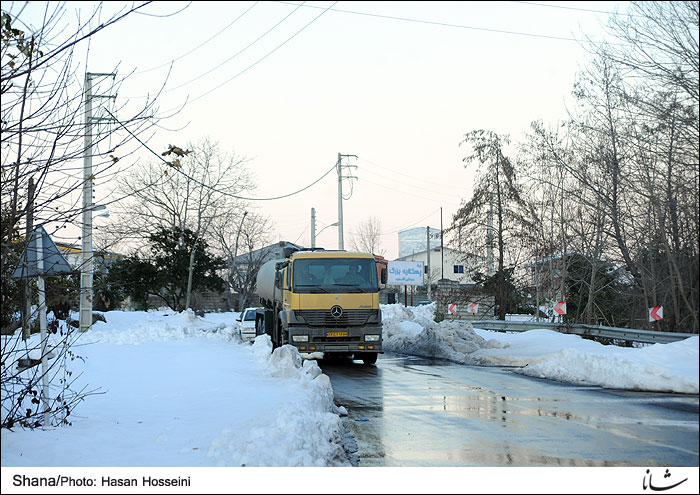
x,y
182,390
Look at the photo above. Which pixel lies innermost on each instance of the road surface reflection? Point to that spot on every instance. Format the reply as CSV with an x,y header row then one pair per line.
x,y
412,411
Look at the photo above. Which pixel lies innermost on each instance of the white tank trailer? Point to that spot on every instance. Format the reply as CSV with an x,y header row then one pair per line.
x,y
266,284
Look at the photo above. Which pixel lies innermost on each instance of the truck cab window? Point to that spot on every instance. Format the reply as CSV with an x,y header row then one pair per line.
x,y
329,274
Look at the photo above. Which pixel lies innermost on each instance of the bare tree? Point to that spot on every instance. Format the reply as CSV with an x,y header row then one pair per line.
x,y
242,237
188,192
660,55
627,163
43,142
367,237
642,111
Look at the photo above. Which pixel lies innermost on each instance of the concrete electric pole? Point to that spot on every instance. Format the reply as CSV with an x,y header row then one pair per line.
x,y
427,252
313,227
86,267
339,166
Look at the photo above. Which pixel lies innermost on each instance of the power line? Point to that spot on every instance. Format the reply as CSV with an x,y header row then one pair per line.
x,y
201,44
207,185
393,171
423,186
165,15
576,8
254,63
265,56
445,24
235,54
385,186
411,225
303,232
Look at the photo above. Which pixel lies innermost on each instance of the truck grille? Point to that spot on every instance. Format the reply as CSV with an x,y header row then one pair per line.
x,y
323,318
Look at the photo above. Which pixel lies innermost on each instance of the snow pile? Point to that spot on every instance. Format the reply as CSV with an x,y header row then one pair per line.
x,y
124,327
412,330
569,358
544,353
303,431
181,390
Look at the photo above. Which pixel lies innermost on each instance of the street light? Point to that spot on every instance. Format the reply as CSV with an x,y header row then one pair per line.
x,y
313,241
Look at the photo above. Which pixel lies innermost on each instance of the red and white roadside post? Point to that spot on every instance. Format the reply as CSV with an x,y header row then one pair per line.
x,y
560,309
473,309
656,313
452,309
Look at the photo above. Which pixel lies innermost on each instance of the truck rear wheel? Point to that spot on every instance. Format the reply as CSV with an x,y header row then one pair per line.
x,y
259,325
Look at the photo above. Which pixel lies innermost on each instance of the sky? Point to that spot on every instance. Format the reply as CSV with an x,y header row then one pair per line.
x,y
182,393
289,87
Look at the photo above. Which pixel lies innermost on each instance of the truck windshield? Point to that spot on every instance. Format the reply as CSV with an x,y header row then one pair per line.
x,y
320,275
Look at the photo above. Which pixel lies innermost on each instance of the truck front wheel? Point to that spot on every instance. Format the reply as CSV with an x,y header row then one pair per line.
x,y
277,341
368,358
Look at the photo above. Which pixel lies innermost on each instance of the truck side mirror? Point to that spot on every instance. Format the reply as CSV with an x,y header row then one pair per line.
x,y
278,280
383,276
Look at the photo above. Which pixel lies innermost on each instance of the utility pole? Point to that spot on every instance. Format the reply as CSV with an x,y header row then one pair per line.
x,y
442,249
340,205
26,287
42,326
339,166
86,267
235,255
313,227
427,238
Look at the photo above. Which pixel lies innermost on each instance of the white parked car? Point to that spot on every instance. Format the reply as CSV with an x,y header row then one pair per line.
x,y
246,323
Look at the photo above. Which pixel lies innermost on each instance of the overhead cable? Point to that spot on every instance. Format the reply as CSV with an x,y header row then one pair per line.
x,y
213,188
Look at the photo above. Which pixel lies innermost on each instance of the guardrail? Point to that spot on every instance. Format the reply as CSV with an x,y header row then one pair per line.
x,y
627,334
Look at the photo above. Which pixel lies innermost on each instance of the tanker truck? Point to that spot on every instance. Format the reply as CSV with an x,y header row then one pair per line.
x,y
322,301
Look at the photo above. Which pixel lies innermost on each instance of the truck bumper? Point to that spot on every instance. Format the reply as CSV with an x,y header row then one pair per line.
x,y
326,340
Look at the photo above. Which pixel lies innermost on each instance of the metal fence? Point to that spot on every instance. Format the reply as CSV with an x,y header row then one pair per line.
x,y
595,331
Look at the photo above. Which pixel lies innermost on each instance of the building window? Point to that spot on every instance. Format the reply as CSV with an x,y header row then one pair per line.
x,y
458,268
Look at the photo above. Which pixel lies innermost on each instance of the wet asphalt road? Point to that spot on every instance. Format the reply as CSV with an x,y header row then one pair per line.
x,y
412,411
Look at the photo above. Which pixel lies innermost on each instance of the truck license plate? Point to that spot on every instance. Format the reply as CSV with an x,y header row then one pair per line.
x,y
336,334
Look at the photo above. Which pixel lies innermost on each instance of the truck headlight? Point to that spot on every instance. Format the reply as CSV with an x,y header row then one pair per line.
x,y
300,338
372,338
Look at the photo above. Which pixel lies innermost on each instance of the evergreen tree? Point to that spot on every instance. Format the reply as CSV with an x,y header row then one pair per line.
x,y
165,273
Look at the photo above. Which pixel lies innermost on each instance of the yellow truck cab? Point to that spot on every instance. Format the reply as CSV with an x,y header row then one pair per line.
x,y
324,301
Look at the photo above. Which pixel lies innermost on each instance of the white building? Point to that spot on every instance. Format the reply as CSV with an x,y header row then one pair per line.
x,y
414,240
444,263
74,256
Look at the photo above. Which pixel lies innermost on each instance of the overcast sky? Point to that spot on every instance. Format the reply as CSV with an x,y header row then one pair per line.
x,y
396,83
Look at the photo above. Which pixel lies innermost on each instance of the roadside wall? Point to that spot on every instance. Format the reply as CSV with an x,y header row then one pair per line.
x,y
450,292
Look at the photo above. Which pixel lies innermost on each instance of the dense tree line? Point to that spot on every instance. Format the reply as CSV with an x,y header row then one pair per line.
x,y
611,208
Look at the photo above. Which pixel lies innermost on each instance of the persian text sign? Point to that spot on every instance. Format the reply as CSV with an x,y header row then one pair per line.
x,y
405,273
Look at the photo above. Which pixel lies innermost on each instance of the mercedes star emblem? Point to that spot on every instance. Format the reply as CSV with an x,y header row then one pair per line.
x,y
336,311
